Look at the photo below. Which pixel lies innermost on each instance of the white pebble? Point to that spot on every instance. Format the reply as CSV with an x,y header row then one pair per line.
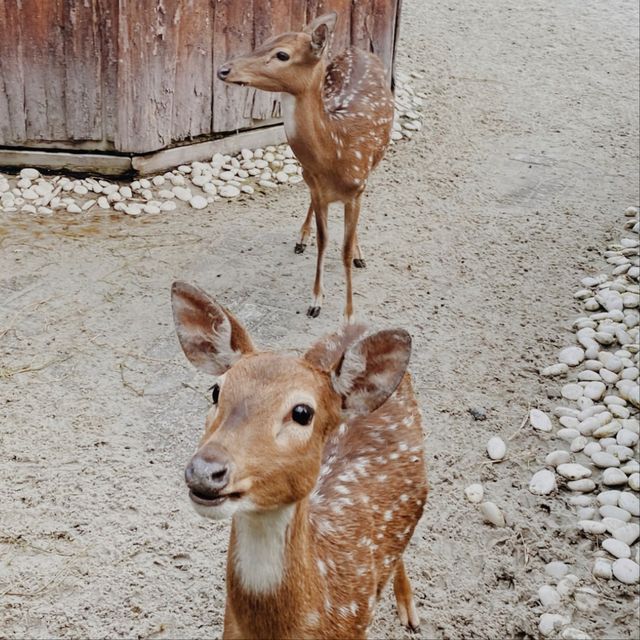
x,y
556,569
571,356
609,497
613,477
616,548
229,191
634,481
559,369
592,526
474,493
573,471
492,514
198,202
550,622
555,458
628,533
543,483
594,390
585,485
496,448
182,193
630,503
29,173
612,511
548,596
602,568
571,391
539,420
603,460
626,571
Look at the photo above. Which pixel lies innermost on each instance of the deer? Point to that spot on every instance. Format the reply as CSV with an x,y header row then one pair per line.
x,y
318,460
338,117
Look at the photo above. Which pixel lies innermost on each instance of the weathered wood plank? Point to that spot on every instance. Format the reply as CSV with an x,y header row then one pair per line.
x,y
232,36
61,161
168,158
145,90
192,73
107,17
82,91
12,122
42,30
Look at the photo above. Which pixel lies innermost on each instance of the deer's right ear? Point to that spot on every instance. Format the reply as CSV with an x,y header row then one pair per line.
x,y
371,370
320,31
211,338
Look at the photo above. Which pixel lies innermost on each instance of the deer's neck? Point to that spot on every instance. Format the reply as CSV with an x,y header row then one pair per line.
x,y
272,574
269,550
304,114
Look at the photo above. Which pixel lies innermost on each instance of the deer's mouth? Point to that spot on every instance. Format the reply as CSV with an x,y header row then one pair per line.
x,y
211,500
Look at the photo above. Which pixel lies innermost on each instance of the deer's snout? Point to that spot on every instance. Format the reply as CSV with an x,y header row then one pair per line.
x,y
224,71
207,474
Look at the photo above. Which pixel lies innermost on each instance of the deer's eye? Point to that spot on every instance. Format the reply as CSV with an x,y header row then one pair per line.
x,y
282,55
215,393
302,414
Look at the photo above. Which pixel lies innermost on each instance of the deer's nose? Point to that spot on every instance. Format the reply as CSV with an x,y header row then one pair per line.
x,y
208,473
224,71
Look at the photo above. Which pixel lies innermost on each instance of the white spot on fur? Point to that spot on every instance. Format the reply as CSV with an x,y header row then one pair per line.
x,y
258,554
288,103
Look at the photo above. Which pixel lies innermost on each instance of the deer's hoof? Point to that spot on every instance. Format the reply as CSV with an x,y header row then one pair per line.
x,y
300,247
413,628
359,263
313,312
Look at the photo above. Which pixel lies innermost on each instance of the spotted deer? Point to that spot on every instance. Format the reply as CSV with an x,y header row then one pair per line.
x,y
318,461
338,117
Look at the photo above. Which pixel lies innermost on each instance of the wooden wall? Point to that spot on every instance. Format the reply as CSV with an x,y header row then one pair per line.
x,y
135,76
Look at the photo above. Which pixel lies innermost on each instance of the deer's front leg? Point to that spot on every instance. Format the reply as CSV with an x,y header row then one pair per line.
x,y
305,230
322,213
351,215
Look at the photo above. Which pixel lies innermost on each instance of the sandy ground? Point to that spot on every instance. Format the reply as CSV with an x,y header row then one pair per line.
x,y
476,235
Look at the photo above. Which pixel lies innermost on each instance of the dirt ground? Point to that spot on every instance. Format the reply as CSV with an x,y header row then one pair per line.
x,y
476,234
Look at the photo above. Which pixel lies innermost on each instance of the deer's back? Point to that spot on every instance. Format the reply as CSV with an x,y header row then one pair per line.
x,y
370,495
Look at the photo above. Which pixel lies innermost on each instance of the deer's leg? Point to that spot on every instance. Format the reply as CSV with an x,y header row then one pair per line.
x,y
322,213
305,230
351,214
358,258
404,599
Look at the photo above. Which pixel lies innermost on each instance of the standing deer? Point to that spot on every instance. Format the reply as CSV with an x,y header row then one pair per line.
x,y
319,462
338,119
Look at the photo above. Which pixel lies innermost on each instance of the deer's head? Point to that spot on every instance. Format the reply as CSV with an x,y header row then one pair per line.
x,y
273,412
285,62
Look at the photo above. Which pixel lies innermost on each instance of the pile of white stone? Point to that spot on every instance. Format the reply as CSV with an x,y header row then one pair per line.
x,y
599,422
409,107
198,184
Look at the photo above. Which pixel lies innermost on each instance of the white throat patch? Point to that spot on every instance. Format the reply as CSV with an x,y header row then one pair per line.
x,y
258,556
288,103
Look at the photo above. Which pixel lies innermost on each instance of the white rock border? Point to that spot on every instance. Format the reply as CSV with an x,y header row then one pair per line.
x,y
200,184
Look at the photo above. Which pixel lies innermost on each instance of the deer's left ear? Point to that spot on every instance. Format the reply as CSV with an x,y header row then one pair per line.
x,y
371,370
320,31
210,336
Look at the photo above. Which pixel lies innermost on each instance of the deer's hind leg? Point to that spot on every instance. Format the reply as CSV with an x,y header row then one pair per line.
x,y
358,258
404,599
305,231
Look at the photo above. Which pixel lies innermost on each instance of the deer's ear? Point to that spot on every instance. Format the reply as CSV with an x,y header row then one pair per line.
x,y
211,338
320,31
371,370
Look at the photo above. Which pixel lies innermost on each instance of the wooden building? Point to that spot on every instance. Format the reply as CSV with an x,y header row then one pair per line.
x,y
129,78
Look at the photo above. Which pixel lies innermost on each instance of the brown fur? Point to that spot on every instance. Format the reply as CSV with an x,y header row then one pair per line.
x,y
339,131
356,486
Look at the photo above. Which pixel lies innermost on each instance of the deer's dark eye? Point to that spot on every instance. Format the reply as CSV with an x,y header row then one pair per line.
x,y
302,414
282,55
215,393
